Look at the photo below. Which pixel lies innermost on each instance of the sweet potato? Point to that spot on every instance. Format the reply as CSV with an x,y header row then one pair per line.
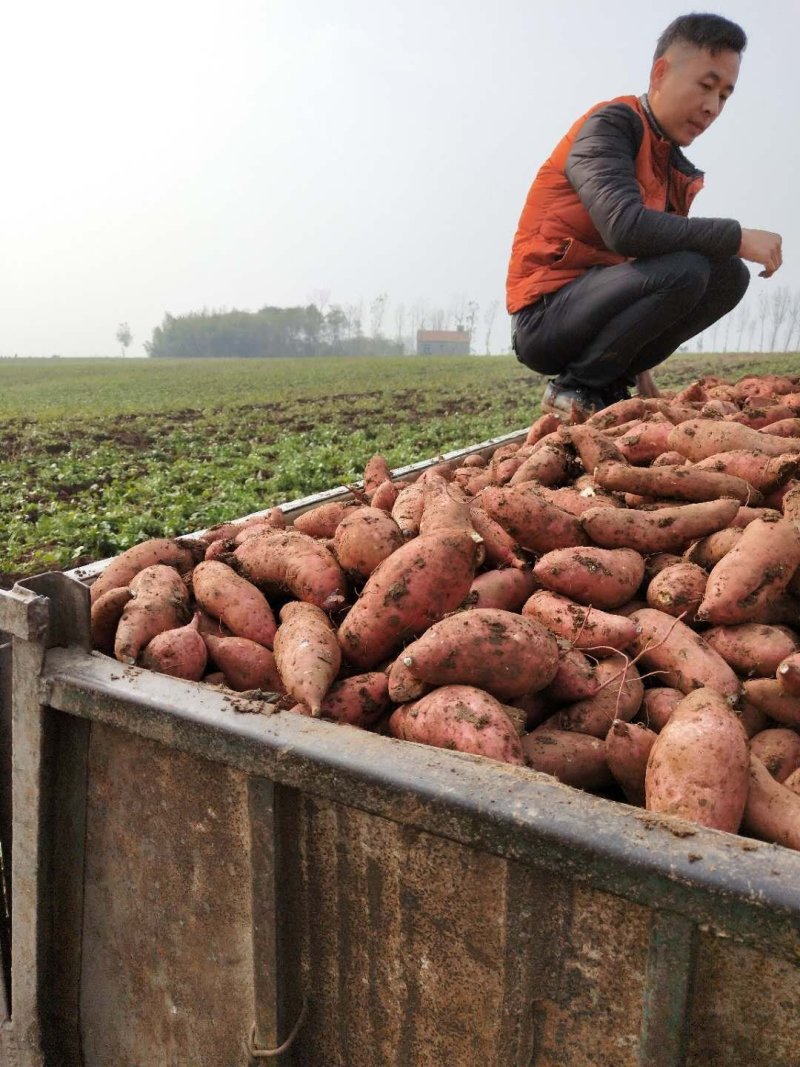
x,y
761,417
645,441
459,717
575,679
245,664
789,427
682,658
778,748
384,496
576,501
446,508
220,549
763,472
578,760
227,531
106,613
500,548
690,483
356,701
772,812
755,570
619,696
788,672
404,685
504,654
768,696
508,589
587,628
593,446
222,593
678,590
122,570
793,782
628,748
376,473
545,424
322,520
698,766
295,562
657,531
751,648
180,653
407,508
307,653
531,520
658,705
160,601
416,586
708,551
614,414
700,438
605,578
549,465
745,515
669,459
659,562
364,539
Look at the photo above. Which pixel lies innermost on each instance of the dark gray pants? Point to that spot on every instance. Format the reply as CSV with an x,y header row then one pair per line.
x,y
615,322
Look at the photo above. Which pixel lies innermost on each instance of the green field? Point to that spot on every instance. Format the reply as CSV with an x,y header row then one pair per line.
x,y
96,455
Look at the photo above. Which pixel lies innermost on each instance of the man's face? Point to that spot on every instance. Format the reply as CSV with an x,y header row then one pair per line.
x,y
688,89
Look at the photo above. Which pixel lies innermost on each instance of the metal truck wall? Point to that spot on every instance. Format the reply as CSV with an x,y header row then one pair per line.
x,y
427,908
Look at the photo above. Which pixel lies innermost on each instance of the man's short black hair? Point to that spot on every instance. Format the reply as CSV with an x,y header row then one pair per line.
x,y
711,32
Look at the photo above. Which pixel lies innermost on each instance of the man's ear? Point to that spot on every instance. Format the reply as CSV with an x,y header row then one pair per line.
x,y
658,72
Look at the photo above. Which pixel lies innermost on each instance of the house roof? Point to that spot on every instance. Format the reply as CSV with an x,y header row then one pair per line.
x,y
443,335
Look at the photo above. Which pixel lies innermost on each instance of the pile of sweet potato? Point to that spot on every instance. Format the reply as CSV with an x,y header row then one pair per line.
x,y
615,603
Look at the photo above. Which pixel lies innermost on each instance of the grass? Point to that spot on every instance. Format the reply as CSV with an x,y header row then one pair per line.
x,y
96,455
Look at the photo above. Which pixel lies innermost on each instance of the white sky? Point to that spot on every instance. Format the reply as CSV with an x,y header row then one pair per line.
x,y
170,155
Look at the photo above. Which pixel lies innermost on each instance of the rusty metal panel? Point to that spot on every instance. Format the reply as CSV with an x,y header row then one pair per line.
x,y
745,1009
591,1014
167,963
400,941
5,828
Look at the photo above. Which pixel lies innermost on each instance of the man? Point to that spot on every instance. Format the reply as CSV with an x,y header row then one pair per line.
x,y
608,275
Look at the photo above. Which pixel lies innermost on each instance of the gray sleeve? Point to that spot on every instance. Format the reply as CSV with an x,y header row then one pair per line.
x,y
601,170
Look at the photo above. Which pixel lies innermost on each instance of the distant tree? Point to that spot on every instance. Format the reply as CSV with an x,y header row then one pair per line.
x,y
488,322
399,321
438,319
792,340
780,300
471,319
377,310
763,312
124,337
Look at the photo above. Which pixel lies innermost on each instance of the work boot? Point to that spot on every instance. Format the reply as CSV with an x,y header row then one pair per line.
x,y
616,391
572,402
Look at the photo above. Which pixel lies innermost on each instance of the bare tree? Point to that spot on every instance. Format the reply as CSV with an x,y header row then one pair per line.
x,y
488,322
792,341
458,311
418,318
319,298
742,319
124,337
751,333
763,312
377,310
779,306
354,313
400,321
438,319
470,319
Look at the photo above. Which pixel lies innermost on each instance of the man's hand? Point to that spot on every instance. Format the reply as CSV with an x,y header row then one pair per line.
x,y
645,386
761,246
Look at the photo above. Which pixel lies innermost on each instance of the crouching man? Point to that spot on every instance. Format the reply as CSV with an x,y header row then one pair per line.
x,y
608,274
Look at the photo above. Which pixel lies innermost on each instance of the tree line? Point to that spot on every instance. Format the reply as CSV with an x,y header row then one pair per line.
x,y
765,321
316,329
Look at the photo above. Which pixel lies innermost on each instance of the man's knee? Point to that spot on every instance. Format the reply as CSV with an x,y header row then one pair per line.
x,y
688,272
731,274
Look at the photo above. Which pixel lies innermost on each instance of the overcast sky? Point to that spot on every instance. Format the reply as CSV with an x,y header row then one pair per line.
x,y
170,155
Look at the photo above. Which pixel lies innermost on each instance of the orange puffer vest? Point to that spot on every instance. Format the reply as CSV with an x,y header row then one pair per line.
x,y
556,240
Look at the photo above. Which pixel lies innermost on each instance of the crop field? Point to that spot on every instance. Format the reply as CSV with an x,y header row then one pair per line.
x,y
96,455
